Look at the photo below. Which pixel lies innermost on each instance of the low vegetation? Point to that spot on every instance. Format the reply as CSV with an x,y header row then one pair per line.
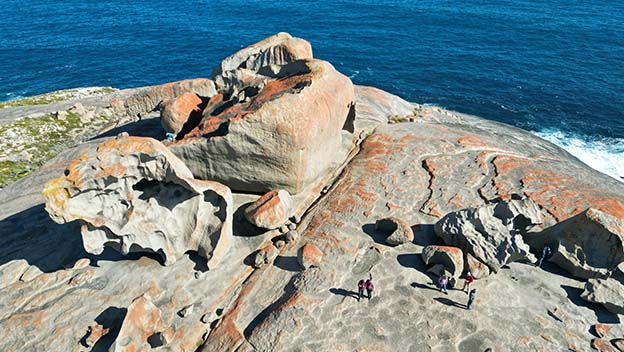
x,y
56,96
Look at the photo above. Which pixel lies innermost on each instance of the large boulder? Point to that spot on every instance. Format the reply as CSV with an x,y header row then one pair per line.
x,y
478,269
397,230
284,137
134,195
279,49
142,321
147,99
184,110
492,233
608,292
452,258
271,210
588,245
309,255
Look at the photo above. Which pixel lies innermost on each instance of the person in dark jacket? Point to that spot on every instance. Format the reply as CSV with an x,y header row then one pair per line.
x,y
369,286
361,288
471,298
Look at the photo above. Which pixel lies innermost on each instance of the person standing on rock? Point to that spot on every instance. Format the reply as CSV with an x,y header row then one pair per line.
x,y
443,281
471,298
369,286
361,288
469,280
545,254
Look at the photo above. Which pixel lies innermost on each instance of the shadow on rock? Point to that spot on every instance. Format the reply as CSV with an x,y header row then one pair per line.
x,y
241,227
143,128
602,314
110,318
377,236
287,263
423,286
412,261
343,292
424,235
450,302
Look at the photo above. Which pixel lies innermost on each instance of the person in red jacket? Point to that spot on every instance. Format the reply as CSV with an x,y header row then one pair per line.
x,y
361,288
469,280
369,286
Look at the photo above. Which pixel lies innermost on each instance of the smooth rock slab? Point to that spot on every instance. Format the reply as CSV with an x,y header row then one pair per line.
x,y
134,195
492,233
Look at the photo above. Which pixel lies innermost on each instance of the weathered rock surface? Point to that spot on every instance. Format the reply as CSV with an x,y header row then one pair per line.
x,y
618,343
452,258
492,233
95,333
478,269
602,345
601,330
265,256
249,145
271,210
608,292
132,194
142,321
146,99
588,245
309,255
177,112
397,230
278,49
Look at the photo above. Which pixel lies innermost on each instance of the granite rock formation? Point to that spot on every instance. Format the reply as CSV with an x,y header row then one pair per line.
x,y
492,233
248,145
412,162
397,230
134,195
177,112
141,322
452,258
146,100
608,292
588,245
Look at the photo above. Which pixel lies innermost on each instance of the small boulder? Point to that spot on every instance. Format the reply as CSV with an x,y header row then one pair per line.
x,y
265,256
618,343
608,292
602,345
309,255
184,312
142,321
177,112
478,269
291,236
398,231
587,245
271,210
452,258
601,330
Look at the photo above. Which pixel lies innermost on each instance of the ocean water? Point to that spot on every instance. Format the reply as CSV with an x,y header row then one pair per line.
x,y
553,67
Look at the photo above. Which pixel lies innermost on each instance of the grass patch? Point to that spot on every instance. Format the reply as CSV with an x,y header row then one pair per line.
x,y
55,96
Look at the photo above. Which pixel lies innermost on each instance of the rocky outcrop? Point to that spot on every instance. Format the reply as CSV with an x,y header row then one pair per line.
x,y
587,245
271,210
492,233
142,321
397,230
452,258
184,110
147,99
249,145
278,49
608,292
132,194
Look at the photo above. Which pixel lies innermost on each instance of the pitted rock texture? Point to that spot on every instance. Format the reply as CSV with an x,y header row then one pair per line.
x,y
134,195
278,49
147,99
184,110
588,245
452,258
278,138
492,233
142,320
608,292
397,230
270,211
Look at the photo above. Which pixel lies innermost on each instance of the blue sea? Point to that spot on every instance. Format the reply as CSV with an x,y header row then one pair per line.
x,y
553,67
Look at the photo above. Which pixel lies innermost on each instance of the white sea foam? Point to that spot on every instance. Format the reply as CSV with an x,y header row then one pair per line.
x,y
605,155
